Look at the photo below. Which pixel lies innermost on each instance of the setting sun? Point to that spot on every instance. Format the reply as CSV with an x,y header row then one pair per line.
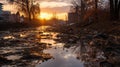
x,y
46,16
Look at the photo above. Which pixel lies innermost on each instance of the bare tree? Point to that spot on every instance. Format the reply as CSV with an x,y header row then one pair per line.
x,y
96,10
28,7
88,9
79,8
114,9
35,11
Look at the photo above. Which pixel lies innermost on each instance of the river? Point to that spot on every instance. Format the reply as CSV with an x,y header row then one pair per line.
x,y
18,48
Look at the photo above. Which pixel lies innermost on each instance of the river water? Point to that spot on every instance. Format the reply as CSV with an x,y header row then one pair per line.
x,y
17,44
63,57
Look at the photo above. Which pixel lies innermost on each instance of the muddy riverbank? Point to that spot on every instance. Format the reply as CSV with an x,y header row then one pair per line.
x,y
94,48
34,47
22,48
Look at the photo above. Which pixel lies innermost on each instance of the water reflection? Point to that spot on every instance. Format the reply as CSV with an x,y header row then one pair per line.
x,y
21,48
13,57
62,58
9,37
32,47
23,35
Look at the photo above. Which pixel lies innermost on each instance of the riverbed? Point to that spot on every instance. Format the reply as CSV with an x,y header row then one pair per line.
x,y
35,47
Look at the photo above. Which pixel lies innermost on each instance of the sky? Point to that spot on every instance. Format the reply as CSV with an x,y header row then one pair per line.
x,y
58,7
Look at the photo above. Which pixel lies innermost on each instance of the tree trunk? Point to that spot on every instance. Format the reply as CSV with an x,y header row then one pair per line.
x,y
82,11
119,10
29,15
116,14
96,10
111,10
28,9
33,15
114,9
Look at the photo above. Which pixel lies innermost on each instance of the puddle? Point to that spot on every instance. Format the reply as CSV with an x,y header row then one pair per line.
x,y
62,58
13,57
9,37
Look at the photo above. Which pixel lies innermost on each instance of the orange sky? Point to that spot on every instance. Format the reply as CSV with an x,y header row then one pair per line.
x,y
59,7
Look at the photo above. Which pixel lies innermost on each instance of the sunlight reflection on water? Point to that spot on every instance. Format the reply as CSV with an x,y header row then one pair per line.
x,y
9,37
62,57
13,57
20,40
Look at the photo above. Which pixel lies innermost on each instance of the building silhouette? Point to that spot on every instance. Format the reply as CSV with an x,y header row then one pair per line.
x,y
6,16
1,7
73,15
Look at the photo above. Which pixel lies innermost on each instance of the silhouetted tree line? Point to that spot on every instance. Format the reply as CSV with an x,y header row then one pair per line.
x,y
87,9
114,9
30,8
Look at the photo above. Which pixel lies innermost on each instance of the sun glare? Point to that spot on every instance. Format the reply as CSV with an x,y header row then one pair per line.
x,y
46,16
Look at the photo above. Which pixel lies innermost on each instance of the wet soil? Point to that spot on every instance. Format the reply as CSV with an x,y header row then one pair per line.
x,y
22,48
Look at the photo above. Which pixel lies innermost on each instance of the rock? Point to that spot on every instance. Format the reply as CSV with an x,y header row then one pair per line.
x,y
4,60
101,35
31,57
114,59
106,64
46,56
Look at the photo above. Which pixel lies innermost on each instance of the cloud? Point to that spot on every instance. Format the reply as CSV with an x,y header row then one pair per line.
x,y
2,1
49,6
9,7
56,0
56,9
53,4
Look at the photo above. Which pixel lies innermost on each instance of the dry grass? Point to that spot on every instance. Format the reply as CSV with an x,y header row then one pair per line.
x,y
107,27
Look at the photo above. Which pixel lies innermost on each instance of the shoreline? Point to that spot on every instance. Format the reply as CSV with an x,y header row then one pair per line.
x,y
8,26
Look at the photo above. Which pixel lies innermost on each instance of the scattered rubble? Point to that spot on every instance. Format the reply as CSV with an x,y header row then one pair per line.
x,y
24,46
4,61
